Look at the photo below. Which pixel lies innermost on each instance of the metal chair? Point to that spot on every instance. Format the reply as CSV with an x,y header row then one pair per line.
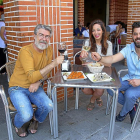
x,y
109,98
123,42
9,108
138,108
77,89
77,92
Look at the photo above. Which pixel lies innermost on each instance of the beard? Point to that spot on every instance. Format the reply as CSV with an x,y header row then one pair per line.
x,y
41,46
137,44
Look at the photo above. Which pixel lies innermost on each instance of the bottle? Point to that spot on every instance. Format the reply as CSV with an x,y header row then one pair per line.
x,y
65,66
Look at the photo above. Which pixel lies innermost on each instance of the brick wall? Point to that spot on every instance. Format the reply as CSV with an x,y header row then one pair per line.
x,y
127,11
81,11
21,17
118,11
133,15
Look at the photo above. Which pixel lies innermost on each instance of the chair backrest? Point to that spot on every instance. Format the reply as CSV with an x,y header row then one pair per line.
x,y
10,68
74,57
123,39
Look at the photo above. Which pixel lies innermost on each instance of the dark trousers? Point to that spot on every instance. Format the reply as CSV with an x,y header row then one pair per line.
x,y
2,59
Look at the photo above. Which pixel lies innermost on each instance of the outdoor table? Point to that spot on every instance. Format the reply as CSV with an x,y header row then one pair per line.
x,y
58,81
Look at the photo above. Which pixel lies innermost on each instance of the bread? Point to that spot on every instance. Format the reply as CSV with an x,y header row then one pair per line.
x,y
95,65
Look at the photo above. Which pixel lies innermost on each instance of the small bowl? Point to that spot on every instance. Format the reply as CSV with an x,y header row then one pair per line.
x,y
95,67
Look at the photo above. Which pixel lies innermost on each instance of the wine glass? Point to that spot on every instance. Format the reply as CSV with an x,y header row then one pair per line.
x,y
86,45
61,47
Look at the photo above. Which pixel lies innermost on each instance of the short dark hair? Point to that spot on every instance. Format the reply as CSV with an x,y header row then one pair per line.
x,y
135,25
88,24
117,22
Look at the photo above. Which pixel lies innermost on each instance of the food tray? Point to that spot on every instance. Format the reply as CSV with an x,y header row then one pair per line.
x,y
66,74
99,77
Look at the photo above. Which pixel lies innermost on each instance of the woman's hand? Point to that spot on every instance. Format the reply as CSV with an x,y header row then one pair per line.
x,y
84,54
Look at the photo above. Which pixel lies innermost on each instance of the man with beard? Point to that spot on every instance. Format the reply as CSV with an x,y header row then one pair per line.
x,y
33,65
130,83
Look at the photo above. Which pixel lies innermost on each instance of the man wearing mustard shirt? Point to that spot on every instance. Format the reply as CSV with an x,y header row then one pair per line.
x,y
33,65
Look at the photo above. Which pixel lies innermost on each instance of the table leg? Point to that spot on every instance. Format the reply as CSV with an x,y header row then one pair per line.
x,y
55,117
77,98
113,114
65,98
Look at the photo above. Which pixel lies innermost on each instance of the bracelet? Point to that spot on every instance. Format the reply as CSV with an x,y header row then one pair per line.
x,y
100,58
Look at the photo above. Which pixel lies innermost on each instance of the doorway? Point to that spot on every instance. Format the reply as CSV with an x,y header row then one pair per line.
x,y
94,9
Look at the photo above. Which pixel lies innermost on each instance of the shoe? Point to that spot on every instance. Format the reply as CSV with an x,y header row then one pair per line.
x,y
99,102
120,118
90,106
133,112
22,130
33,126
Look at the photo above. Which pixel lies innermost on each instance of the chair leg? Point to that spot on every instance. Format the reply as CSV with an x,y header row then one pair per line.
x,y
77,98
135,118
109,104
8,120
65,99
51,121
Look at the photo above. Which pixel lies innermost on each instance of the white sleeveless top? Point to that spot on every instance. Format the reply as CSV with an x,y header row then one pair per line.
x,y
99,48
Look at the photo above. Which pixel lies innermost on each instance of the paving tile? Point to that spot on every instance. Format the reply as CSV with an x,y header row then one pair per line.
x,y
133,136
3,131
68,133
85,127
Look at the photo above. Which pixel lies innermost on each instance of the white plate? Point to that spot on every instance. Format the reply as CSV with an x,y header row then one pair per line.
x,y
99,77
66,74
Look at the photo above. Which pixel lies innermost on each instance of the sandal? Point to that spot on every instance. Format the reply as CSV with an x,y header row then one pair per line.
x,y
33,126
21,130
99,102
90,106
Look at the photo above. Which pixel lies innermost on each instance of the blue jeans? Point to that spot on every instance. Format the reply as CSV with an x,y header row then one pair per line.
x,y
22,99
129,98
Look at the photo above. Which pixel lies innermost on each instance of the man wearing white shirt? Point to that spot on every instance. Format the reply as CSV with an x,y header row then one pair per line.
x,y
85,33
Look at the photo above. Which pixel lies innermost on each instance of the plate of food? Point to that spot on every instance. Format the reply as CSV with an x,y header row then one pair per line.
x,y
99,77
74,75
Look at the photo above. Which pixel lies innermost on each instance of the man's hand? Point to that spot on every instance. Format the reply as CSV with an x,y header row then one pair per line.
x,y
95,56
58,60
34,87
134,82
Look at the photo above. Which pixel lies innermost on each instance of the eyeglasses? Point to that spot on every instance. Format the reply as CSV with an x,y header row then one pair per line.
x,y
42,36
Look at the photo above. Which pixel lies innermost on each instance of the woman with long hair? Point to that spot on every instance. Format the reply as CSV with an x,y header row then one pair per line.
x,y
100,44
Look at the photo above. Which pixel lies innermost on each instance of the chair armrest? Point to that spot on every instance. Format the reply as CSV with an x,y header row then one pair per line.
x,y
120,71
48,87
75,56
4,66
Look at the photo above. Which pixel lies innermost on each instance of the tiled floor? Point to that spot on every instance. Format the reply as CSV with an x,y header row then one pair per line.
x,y
77,124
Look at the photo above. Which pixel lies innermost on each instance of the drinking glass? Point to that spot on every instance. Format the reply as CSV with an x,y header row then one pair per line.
x,y
61,47
86,45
